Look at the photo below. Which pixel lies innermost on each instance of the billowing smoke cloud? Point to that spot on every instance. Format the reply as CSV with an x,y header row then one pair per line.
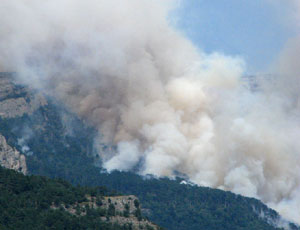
x,y
286,86
161,103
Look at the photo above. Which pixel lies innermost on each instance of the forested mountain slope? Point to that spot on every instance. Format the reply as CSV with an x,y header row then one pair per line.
x,y
58,145
34,202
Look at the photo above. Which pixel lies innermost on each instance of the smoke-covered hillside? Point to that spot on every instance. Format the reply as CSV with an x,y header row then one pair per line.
x,y
157,103
58,145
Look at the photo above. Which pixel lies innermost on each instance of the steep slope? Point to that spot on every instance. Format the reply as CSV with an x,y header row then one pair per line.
x,y
32,202
11,158
57,144
15,99
39,135
176,205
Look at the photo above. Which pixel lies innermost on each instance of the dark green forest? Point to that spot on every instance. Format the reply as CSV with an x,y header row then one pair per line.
x,y
59,153
26,202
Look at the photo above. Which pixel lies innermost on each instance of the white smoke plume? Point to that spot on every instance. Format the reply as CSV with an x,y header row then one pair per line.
x,y
27,134
165,105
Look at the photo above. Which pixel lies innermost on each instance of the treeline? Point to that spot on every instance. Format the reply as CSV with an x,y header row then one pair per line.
x,y
34,202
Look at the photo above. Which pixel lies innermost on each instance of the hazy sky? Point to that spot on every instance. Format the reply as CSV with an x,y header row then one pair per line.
x,y
254,29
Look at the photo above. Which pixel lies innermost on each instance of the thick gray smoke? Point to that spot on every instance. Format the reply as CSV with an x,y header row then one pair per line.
x,y
165,105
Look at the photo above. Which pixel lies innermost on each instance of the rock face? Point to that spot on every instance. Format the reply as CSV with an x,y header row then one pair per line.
x,y
120,202
11,158
127,212
16,100
121,210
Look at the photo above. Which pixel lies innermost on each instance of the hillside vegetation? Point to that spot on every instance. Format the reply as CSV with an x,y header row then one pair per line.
x,y
34,202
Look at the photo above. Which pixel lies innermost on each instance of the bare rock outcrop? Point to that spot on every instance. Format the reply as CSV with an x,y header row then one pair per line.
x,y
16,100
11,158
120,210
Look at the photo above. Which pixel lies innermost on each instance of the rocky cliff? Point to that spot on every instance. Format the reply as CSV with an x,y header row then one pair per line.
x,y
15,101
127,211
11,158
116,210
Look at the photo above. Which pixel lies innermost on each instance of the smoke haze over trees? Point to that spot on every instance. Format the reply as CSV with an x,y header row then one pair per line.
x,y
164,105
